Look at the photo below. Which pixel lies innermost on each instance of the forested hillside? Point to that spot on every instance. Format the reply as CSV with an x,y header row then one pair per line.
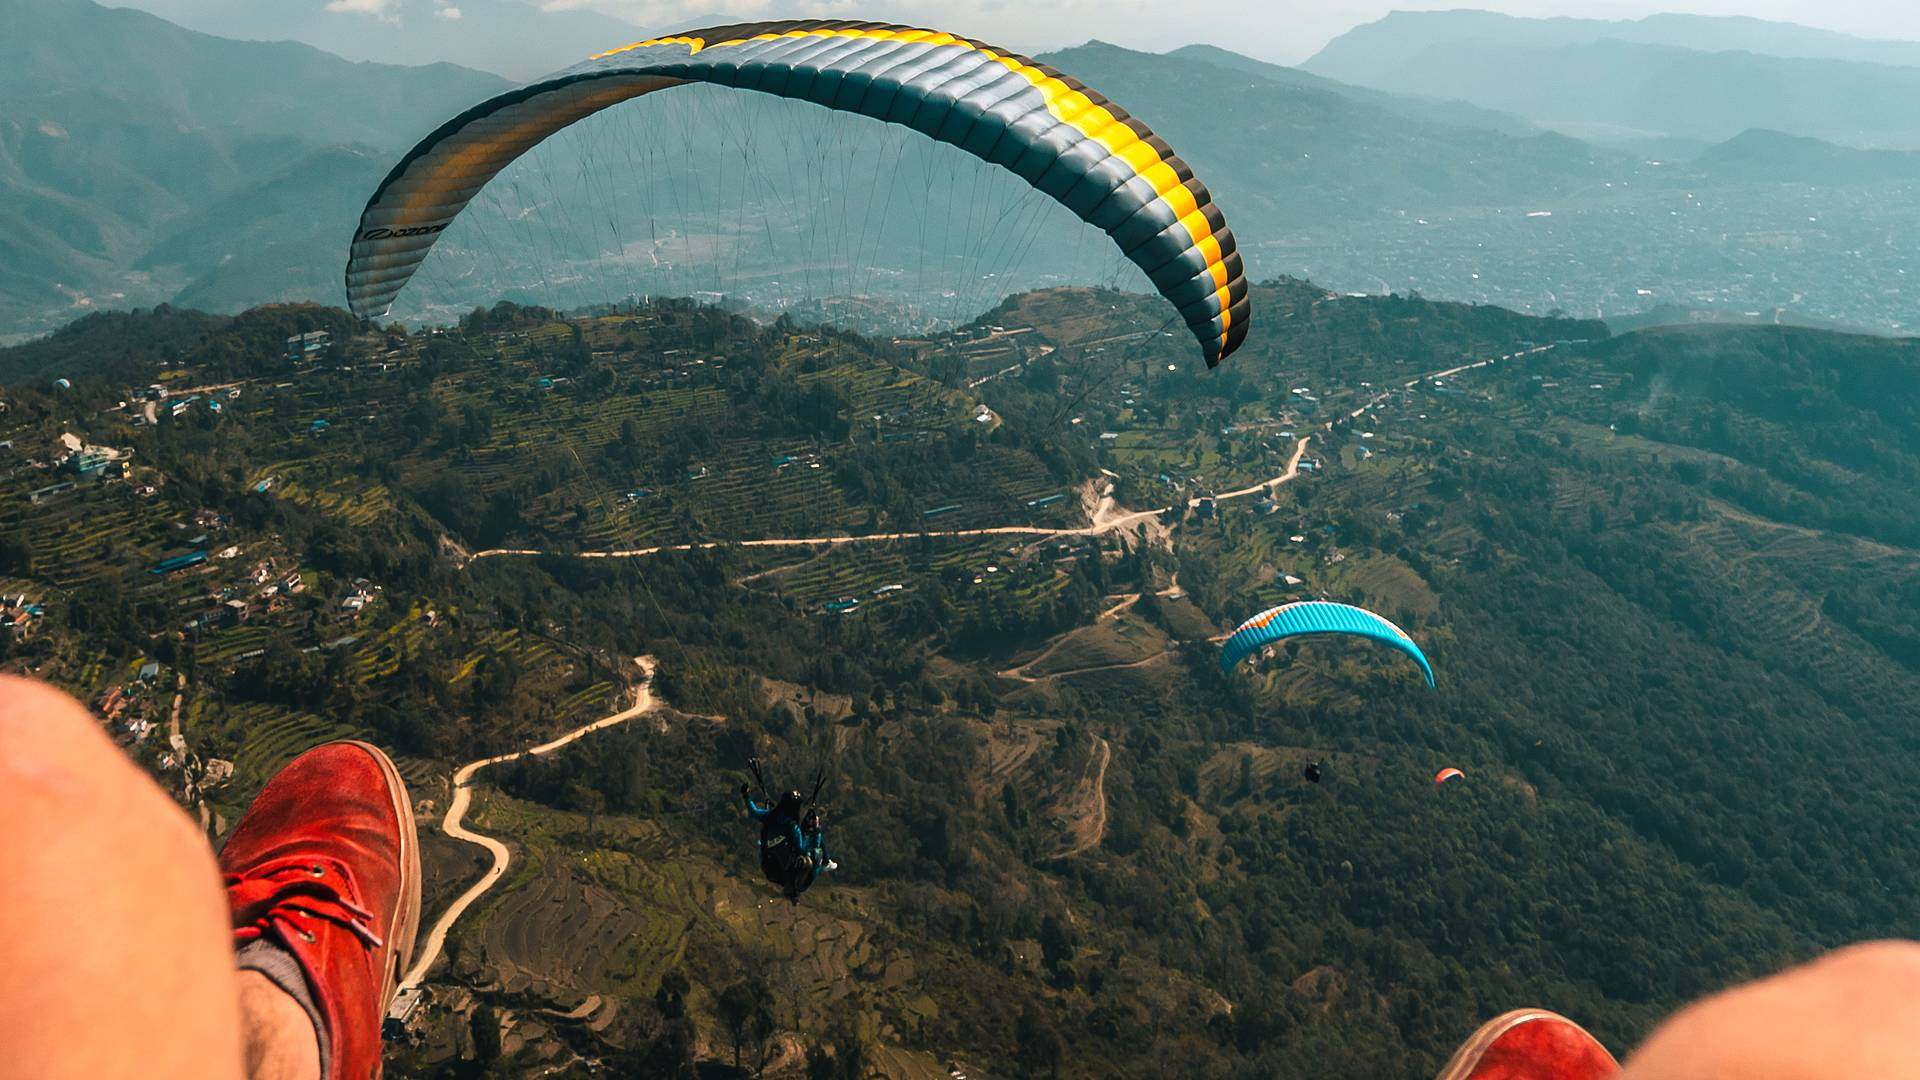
x,y
1665,579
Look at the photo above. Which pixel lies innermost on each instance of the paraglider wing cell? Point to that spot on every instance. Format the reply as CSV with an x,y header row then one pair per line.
x,y
1313,617
1063,138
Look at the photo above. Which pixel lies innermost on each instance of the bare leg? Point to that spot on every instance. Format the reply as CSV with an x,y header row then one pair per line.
x,y
118,952
280,1044
1852,1013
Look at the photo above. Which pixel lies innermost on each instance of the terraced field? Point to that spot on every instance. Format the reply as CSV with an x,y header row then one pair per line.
x,y
554,931
1381,582
999,486
1113,644
745,493
594,700
349,500
861,573
612,522
1779,605
1010,746
270,736
91,533
528,651
379,654
611,918
226,646
892,392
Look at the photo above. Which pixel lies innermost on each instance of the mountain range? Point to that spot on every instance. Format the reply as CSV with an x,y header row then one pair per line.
x,y
513,38
1692,79
164,164
107,150
1374,49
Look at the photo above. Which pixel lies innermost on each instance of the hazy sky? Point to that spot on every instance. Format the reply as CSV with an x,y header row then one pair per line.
x,y
1287,31
1284,30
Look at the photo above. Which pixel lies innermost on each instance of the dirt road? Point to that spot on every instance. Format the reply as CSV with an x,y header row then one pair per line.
x,y
452,824
1106,515
1106,518
1097,831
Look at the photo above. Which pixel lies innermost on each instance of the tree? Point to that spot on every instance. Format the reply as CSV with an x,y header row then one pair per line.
x,y
1040,1046
671,997
16,555
843,1055
746,1011
1056,941
588,800
484,1025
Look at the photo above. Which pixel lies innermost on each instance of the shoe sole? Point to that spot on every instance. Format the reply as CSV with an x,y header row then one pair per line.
x,y
1467,1058
404,921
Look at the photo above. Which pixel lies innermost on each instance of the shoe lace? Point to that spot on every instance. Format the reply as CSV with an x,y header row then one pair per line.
x,y
284,898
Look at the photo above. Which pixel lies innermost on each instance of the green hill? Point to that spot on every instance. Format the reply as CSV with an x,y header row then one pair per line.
x,y
1759,156
1665,579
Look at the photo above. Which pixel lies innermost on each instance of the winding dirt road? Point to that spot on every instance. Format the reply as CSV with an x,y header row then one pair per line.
x,y
1106,517
429,951
1099,830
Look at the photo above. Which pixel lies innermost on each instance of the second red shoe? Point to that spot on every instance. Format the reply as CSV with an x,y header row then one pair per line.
x,y
1531,1044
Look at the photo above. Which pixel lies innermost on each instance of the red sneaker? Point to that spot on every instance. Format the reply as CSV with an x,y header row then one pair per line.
x,y
326,863
1530,1044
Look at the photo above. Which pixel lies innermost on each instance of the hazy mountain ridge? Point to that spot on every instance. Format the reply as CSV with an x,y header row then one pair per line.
x,y
1760,155
1294,152
1377,50
283,89
266,241
1626,91
1412,106
105,144
512,38
115,202
225,202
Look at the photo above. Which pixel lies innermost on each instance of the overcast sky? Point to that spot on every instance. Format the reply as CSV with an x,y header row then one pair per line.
x,y
1285,30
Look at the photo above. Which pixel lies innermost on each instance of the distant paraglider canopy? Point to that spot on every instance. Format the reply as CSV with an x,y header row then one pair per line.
x,y
62,384
1445,775
1316,617
1063,138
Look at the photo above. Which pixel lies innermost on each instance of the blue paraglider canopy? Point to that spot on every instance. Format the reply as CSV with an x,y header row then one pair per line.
x,y
1313,617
